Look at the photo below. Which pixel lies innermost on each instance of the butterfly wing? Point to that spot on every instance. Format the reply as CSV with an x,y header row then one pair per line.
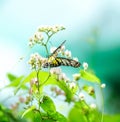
x,y
60,61
68,62
55,53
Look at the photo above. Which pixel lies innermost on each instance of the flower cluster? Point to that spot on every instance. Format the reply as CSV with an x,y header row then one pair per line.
x,y
60,76
36,39
52,29
57,91
36,61
38,36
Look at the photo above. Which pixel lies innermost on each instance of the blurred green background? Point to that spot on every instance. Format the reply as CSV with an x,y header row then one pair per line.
x,y
92,34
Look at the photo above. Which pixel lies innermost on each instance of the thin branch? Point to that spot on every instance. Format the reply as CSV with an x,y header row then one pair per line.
x,y
38,79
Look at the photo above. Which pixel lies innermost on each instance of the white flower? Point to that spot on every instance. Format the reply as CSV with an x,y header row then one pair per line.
x,y
67,79
33,81
63,48
36,60
41,28
72,85
85,65
48,28
38,37
31,44
54,29
81,96
63,77
68,53
103,85
56,70
93,106
61,27
75,58
52,49
31,39
76,77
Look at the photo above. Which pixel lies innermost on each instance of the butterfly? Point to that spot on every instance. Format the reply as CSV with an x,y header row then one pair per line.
x,y
54,61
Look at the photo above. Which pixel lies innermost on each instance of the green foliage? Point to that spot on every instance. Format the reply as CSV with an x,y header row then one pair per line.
x,y
11,77
81,112
16,82
31,108
46,79
47,105
112,118
89,76
6,115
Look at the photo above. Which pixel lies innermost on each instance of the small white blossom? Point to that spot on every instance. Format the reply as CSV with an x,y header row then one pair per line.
x,y
103,85
54,29
75,58
31,42
85,65
72,85
67,79
41,29
33,81
63,48
56,70
36,60
63,77
76,77
81,96
93,106
38,37
68,53
52,49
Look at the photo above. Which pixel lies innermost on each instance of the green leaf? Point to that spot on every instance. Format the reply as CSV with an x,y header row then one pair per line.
x,y
11,77
28,110
77,113
46,79
47,105
81,112
89,76
16,82
58,117
112,118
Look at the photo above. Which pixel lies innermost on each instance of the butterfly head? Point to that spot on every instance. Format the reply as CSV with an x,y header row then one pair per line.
x,y
45,65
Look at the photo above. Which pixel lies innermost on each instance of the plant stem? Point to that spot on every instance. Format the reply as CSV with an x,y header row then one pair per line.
x,y
38,79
